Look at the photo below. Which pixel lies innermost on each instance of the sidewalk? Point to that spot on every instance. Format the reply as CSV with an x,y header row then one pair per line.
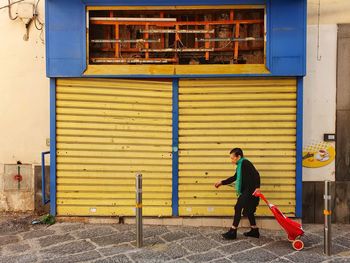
x,y
75,242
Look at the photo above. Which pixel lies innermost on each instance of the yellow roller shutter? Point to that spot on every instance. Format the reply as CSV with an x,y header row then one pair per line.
x,y
215,115
107,131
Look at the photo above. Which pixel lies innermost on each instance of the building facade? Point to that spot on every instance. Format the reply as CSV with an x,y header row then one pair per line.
x,y
175,122
118,108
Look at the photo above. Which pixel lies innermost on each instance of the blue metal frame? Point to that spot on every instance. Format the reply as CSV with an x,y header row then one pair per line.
x,y
43,182
66,35
53,146
175,149
299,149
47,43
268,28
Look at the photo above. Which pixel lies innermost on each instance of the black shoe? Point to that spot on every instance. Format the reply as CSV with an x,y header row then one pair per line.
x,y
231,234
254,232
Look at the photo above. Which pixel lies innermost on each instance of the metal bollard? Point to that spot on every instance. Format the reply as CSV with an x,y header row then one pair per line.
x,y
327,219
139,235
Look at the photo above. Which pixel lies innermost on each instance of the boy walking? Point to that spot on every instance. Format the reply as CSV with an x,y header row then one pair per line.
x,y
247,181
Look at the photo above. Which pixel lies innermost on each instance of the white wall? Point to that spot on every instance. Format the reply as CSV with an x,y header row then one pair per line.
x,y
332,11
320,82
320,93
24,103
24,91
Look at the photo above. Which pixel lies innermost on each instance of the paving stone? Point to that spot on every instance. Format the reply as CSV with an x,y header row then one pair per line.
x,y
28,258
38,233
114,239
172,250
281,260
182,244
199,244
262,241
253,255
95,232
115,259
221,260
347,234
4,240
180,260
14,226
149,256
86,256
176,235
337,229
205,257
192,231
343,241
310,239
273,234
217,237
124,227
340,229
335,250
235,247
18,247
209,230
117,249
69,227
313,228
307,255
280,248
54,239
151,241
339,260
345,253
69,248
154,231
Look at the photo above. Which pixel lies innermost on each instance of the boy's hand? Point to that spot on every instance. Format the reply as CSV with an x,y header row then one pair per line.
x,y
218,184
256,192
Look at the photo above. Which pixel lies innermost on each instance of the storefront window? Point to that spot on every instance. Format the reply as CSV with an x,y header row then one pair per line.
x,y
175,36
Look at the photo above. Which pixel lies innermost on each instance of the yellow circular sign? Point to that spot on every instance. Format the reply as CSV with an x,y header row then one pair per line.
x,y
320,155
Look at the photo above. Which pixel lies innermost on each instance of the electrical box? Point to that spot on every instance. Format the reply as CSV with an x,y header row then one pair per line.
x,y
18,177
25,10
329,137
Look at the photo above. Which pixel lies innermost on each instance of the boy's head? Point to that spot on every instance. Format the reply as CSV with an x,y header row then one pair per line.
x,y
236,154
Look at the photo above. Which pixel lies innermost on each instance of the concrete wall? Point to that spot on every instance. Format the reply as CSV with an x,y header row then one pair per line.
x,y
24,102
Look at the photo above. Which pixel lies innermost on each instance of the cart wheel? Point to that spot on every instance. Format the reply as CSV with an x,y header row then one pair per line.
x,y
298,244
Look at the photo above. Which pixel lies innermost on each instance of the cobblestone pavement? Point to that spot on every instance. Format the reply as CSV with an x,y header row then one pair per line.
x,y
75,242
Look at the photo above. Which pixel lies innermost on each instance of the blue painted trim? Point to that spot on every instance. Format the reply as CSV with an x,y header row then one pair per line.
x,y
299,149
268,33
305,37
83,43
47,35
43,181
175,149
53,146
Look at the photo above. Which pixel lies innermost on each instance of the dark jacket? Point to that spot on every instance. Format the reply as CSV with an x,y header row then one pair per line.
x,y
250,178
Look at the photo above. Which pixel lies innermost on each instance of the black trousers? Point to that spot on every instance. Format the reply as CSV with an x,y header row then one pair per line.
x,y
247,204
